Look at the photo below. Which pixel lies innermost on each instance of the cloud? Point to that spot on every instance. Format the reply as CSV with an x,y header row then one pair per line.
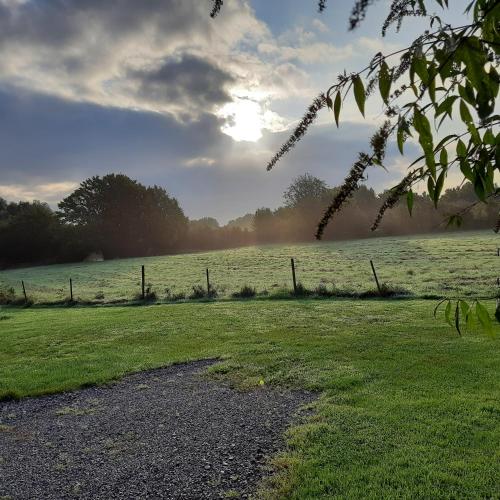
x,y
320,26
373,45
146,88
165,56
199,162
188,82
50,192
310,53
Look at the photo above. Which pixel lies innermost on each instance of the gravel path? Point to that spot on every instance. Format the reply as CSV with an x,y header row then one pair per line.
x,y
165,433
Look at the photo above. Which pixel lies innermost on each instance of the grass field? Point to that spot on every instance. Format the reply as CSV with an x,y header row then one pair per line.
x,y
407,408
462,264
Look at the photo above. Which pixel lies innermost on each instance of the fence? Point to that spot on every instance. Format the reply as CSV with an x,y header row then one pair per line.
x,y
210,291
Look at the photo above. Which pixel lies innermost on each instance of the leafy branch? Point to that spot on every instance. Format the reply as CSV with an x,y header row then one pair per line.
x,y
445,70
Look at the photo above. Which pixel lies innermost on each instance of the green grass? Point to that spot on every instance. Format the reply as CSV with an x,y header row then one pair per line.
x,y
445,265
407,408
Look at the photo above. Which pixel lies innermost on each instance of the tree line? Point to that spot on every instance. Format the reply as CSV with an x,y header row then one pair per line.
x,y
117,217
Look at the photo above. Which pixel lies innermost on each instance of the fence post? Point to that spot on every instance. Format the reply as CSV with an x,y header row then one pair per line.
x,y
71,289
376,279
143,283
24,292
208,282
293,277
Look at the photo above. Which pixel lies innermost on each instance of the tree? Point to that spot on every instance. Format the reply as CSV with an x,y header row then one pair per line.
x,y
124,218
206,222
304,189
29,232
264,226
446,70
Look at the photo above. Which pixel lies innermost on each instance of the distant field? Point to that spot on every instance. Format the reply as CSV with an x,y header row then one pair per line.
x,y
446,265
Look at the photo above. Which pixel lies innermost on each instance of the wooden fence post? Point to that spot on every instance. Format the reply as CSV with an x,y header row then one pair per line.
x,y
376,278
71,289
293,277
143,283
208,282
24,292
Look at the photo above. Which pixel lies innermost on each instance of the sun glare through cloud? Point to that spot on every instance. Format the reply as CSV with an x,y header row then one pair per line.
x,y
246,119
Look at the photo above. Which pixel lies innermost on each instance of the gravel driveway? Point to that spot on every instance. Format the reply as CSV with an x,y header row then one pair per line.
x,y
165,433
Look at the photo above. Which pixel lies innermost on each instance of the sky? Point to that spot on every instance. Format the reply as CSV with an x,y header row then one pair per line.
x,y
159,91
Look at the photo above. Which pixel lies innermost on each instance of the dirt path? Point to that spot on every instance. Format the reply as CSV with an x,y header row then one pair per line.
x,y
166,433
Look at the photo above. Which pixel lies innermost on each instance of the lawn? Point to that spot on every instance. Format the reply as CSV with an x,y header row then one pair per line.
x,y
406,408
440,265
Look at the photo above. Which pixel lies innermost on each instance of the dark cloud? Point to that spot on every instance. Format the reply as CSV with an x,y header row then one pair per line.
x,y
189,81
56,22
69,141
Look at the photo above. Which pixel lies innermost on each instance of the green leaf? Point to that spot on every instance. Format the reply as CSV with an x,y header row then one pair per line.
x,y
479,187
419,65
484,318
384,81
409,201
439,187
466,313
476,139
466,170
423,127
471,53
430,187
336,107
359,93
457,319
446,106
461,149
488,137
400,139
465,113
447,313
443,158
431,85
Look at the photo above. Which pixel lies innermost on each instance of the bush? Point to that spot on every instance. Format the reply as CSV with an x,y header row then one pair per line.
x,y
8,298
322,291
301,291
149,295
200,293
171,296
246,292
178,296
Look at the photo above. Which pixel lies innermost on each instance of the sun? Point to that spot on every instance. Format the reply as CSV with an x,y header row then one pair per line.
x,y
244,120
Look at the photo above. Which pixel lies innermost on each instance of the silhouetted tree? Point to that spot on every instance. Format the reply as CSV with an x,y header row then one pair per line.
x,y
304,189
29,232
124,218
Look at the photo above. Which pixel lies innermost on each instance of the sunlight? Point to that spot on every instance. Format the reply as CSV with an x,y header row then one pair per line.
x,y
244,120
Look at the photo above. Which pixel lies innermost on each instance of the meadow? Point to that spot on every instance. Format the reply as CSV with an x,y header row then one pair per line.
x,y
454,264
406,408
